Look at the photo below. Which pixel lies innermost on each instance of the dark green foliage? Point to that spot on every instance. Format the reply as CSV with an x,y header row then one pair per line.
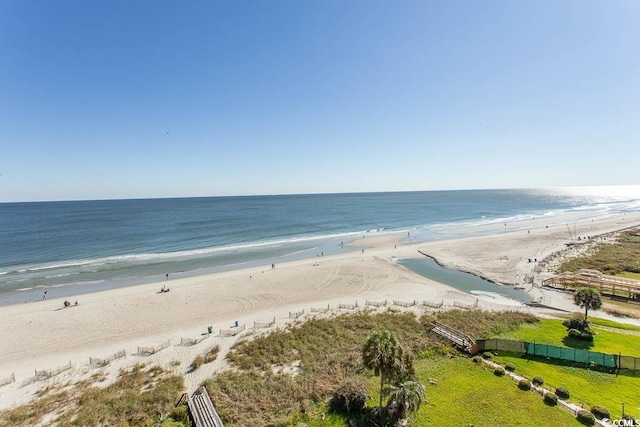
x,y
476,359
524,384
586,417
350,397
181,415
509,367
562,393
587,298
550,399
498,372
537,381
487,355
581,335
577,322
599,412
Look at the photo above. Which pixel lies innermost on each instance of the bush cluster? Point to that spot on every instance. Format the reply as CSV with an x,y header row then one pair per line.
x,y
537,381
550,399
499,372
487,355
524,384
599,412
586,417
577,322
581,335
509,367
350,396
562,393
476,359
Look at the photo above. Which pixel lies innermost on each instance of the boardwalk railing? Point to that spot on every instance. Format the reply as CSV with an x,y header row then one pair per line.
x,y
202,411
605,284
96,361
459,339
8,380
152,350
233,331
259,324
41,375
194,341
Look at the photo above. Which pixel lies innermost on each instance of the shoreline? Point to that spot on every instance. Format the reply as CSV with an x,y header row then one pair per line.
x,y
43,335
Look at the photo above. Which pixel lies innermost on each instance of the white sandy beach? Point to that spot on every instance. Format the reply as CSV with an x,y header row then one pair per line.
x,y
44,336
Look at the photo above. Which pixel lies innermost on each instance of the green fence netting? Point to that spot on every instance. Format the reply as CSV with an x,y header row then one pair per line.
x,y
561,353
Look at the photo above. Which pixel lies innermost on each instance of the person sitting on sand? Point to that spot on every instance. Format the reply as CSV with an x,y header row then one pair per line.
x,y
66,303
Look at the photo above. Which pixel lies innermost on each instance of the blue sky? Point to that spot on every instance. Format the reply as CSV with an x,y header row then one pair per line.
x,y
115,99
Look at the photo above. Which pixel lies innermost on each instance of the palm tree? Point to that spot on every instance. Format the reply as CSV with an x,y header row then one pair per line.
x,y
587,298
407,397
380,354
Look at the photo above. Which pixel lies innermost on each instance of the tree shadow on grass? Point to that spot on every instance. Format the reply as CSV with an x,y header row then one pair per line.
x,y
577,343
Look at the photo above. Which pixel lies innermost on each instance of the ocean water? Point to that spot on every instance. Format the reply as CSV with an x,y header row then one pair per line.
x,y
73,247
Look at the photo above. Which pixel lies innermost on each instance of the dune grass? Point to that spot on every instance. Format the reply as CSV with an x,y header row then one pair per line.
x,y
139,395
323,354
623,256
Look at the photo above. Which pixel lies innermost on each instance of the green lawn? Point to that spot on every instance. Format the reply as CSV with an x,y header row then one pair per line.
x,y
629,275
587,386
551,331
466,394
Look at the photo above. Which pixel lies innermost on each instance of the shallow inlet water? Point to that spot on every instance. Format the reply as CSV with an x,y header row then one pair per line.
x,y
465,282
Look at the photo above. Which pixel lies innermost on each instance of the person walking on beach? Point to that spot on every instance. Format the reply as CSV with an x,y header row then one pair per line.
x,y
44,296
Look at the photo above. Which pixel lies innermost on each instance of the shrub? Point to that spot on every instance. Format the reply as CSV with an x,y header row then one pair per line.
x,y
562,393
197,362
580,335
550,399
499,372
487,355
586,417
180,415
509,367
599,412
537,380
524,384
476,359
351,396
577,322
212,354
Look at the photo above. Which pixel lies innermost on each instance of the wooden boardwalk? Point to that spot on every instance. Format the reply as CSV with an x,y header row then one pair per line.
x,y
459,339
605,284
203,413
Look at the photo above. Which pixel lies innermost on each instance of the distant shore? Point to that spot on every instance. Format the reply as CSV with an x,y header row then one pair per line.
x,y
45,335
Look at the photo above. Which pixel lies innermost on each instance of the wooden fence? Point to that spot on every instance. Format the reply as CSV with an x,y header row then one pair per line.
x,y
8,380
147,351
96,361
42,375
194,341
